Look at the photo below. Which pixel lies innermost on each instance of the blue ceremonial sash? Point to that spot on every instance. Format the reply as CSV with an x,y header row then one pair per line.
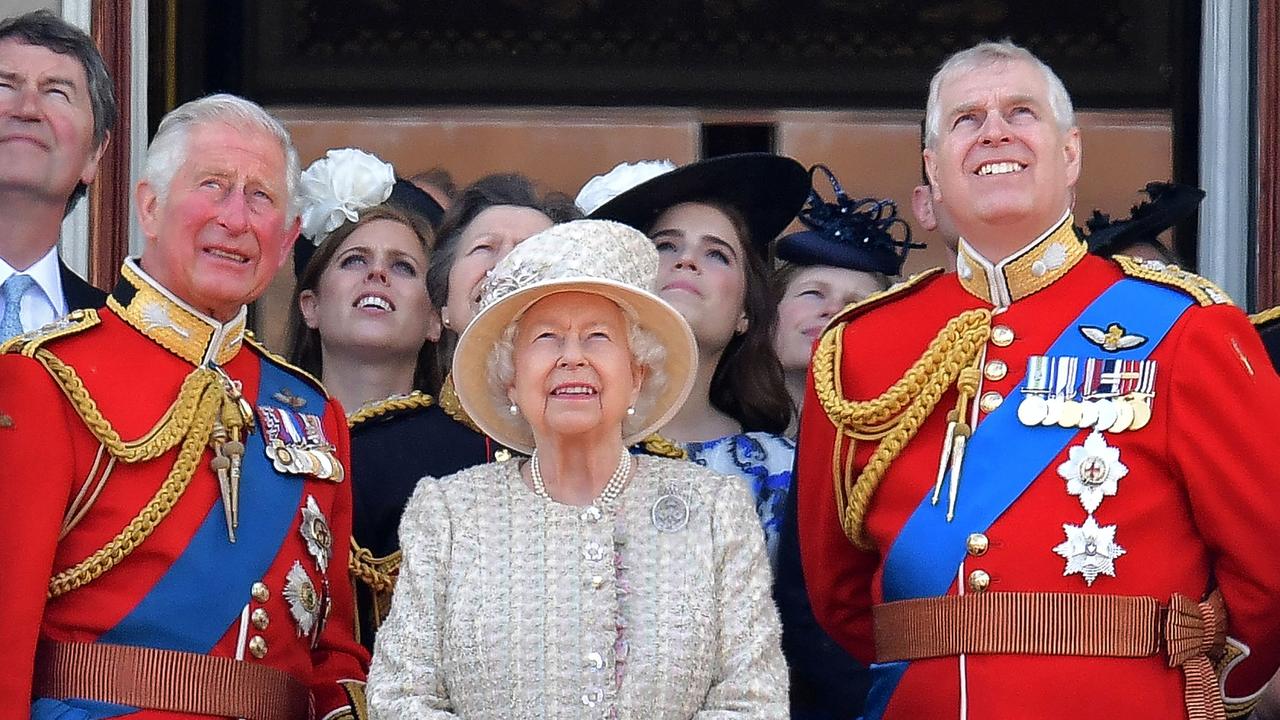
x,y
1004,457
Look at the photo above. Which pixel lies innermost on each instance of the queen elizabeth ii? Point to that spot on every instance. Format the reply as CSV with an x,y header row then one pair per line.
x,y
584,582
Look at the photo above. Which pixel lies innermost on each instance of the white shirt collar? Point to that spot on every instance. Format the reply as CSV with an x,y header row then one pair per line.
x,y
48,276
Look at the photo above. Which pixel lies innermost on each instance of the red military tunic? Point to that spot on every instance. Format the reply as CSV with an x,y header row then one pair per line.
x,y
1197,508
133,359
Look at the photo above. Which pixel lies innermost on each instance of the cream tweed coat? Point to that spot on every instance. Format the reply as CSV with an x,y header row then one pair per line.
x,y
514,606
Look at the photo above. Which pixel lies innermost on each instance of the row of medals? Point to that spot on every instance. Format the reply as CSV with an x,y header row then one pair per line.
x,y
1107,414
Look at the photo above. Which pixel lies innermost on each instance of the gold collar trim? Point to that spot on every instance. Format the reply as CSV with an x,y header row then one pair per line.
x,y
1033,268
452,406
394,403
173,324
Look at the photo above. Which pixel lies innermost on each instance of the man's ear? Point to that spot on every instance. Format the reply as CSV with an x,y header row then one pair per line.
x,y
1074,151
90,171
290,236
931,171
922,208
147,203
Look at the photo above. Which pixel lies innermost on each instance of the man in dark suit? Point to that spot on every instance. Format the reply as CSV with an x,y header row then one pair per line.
x,y
56,114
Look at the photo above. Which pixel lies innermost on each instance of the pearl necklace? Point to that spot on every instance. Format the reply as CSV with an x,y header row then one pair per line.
x,y
611,491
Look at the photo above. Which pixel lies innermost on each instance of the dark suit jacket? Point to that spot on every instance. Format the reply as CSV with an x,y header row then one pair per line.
x,y
80,295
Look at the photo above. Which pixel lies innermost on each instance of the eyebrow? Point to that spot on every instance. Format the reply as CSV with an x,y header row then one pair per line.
x,y
711,239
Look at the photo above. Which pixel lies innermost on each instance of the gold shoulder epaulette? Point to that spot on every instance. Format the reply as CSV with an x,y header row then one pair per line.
x,y
252,341
1265,317
28,343
395,403
877,299
1203,290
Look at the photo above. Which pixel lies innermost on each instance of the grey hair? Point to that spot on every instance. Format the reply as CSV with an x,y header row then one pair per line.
x,y
646,351
983,55
168,149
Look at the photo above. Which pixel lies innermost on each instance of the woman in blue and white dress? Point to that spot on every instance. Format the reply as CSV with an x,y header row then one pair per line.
x,y
712,222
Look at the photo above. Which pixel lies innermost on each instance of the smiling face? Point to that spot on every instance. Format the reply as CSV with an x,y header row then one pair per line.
x,y
486,240
46,122
371,298
1001,164
701,272
575,375
224,228
813,296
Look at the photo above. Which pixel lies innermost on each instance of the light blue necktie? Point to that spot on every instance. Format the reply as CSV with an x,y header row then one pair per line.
x,y
13,289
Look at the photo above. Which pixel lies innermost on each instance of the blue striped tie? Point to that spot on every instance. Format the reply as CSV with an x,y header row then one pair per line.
x,y
13,289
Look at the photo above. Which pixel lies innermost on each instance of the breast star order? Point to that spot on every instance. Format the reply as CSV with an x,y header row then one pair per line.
x,y
1093,471
1090,550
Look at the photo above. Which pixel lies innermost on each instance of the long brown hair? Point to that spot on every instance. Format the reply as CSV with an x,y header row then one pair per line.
x,y
749,384
305,342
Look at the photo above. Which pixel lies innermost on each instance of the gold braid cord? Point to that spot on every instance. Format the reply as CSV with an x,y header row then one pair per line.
x,y
202,402
378,573
896,415
396,403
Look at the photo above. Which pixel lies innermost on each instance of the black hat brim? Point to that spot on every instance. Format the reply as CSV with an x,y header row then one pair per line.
x,y
1175,203
767,189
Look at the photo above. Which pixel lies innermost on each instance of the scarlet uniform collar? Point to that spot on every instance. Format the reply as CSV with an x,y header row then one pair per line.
x,y
173,324
1034,267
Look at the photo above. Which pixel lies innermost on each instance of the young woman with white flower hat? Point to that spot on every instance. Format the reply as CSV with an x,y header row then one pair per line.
x,y
362,321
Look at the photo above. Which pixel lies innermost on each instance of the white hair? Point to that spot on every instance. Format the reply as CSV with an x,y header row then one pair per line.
x,y
168,149
984,55
646,351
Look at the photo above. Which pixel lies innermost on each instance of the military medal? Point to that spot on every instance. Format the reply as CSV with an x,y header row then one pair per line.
x,y
1141,413
1106,414
296,444
1053,409
1124,416
1033,409
1088,413
315,531
1090,550
304,601
1093,471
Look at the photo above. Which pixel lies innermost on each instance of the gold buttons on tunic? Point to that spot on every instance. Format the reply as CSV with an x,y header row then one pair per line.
x,y
260,592
990,401
977,544
979,580
996,370
258,646
1002,335
259,619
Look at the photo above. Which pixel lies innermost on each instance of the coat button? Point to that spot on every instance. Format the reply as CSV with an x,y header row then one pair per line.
x,y
1002,335
979,580
977,544
596,582
996,370
990,401
258,646
502,455
260,592
260,619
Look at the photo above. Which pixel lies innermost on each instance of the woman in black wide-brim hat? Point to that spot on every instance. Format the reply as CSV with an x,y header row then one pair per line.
x,y
712,222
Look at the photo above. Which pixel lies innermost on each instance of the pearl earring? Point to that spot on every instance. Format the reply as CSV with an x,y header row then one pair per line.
x,y
631,411
513,410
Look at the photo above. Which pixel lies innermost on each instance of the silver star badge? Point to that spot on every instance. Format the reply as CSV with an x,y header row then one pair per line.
x,y
1090,550
315,530
304,601
1093,471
